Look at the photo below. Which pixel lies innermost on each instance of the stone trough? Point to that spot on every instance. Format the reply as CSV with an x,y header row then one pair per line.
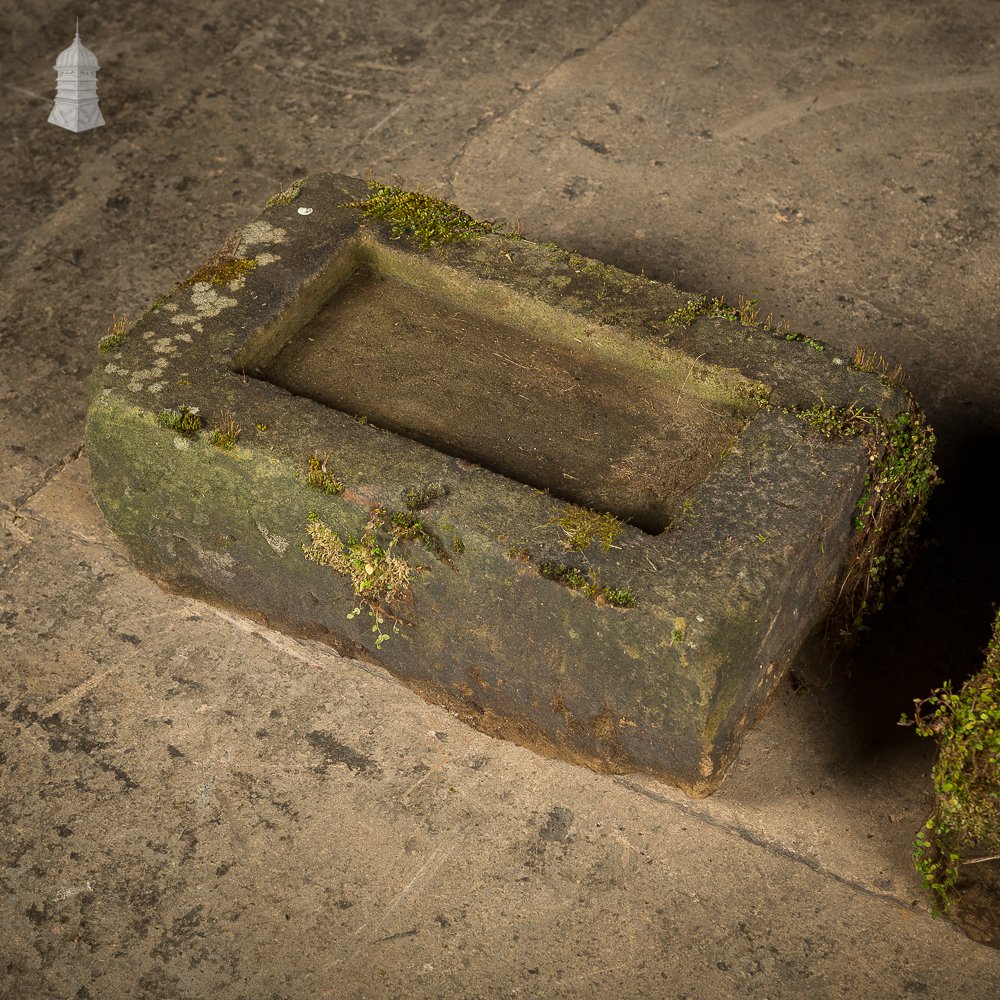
x,y
510,474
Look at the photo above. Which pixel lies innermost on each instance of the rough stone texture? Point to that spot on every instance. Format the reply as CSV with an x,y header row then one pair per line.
x,y
795,876
724,597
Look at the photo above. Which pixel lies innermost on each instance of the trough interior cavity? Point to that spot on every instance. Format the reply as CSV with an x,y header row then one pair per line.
x,y
541,410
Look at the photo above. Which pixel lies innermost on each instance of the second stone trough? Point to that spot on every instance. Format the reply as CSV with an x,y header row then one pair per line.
x,y
581,509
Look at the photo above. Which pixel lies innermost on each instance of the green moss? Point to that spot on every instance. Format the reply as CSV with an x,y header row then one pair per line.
x,y
745,312
117,335
966,776
378,576
219,272
421,497
183,420
405,525
583,526
588,584
287,196
430,221
901,477
224,432
319,477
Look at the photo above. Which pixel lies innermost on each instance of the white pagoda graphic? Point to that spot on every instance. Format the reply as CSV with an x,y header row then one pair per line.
x,y
76,105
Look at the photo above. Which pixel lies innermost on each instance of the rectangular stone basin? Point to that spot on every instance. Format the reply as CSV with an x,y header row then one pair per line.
x,y
606,432
493,466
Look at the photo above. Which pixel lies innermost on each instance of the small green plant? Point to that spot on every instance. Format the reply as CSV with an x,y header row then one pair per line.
x,y
679,633
261,426
431,221
966,776
183,420
319,477
589,584
287,196
582,526
688,512
225,430
117,335
379,577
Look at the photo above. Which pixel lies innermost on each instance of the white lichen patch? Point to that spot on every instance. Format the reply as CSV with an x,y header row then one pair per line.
x,y
181,443
148,334
156,386
263,259
170,306
276,542
111,368
259,232
164,346
208,301
186,337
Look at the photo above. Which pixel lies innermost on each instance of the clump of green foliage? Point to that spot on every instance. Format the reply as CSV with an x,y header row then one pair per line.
x,y
219,272
287,196
582,526
224,432
589,584
966,776
430,221
379,577
319,477
901,477
117,335
746,311
184,420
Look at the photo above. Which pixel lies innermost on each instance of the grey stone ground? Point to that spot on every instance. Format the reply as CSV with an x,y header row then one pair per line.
x,y
194,806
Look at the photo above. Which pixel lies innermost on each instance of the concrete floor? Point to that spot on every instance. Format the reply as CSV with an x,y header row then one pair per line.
x,y
193,806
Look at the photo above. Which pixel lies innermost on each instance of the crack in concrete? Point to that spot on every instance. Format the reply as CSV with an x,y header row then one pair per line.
x,y
772,847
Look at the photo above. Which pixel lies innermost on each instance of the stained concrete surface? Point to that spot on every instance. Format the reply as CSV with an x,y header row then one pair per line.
x,y
193,805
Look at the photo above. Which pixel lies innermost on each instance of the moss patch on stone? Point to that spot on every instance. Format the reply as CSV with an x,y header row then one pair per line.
x,y
379,577
901,477
121,327
588,584
319,477
220,272
287,196
428,220
746,311
582,526
183,420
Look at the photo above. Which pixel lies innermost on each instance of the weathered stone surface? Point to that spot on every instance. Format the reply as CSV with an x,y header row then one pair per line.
x,y
519,380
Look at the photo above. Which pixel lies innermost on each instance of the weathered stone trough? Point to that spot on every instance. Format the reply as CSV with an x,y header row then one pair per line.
x,y
492,466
